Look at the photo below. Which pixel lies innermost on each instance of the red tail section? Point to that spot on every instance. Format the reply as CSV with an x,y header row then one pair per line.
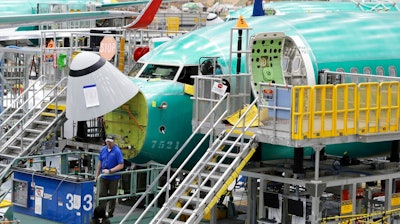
x,y
147,15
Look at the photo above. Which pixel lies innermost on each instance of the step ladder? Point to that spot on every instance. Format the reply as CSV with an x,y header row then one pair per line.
x,y
19,105
211,177
27,132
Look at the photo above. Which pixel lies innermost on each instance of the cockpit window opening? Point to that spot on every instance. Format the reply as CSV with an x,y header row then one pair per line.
x,y
186,73
209,66
135,70
380,71
392,71
153,71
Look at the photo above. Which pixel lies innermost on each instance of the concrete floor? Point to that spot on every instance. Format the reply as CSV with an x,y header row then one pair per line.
x,y
240,202
120,212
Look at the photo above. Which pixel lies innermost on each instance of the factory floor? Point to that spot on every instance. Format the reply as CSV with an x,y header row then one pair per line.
x,y
121,210
235,212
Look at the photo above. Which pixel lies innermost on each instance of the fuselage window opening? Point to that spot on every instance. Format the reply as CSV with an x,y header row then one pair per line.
x,y
340,70
296,64
354,70
367,70
285,62
392,71
380,71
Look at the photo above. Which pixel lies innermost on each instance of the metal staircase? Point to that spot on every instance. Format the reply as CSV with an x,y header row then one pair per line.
x,y
211,177
219,166
27,125
222,162
14,110
206,183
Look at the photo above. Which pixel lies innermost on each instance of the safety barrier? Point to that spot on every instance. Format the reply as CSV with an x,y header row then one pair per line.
x,y
323,111
312,112
172,24
375,217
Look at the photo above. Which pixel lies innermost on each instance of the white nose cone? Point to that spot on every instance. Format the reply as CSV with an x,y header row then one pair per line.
x,y
95,87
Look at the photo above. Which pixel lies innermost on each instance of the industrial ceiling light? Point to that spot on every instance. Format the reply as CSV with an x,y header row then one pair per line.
x,y
95,87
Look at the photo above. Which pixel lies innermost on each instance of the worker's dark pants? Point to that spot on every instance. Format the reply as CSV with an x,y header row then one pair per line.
x,y
108,188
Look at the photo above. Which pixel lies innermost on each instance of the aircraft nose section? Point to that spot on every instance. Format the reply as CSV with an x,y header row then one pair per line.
x,y
95,87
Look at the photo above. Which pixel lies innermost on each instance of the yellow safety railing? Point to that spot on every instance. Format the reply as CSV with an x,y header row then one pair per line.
x,y
322,114
389,106
368,107
172,24
377,217
301,112
323,111
345,115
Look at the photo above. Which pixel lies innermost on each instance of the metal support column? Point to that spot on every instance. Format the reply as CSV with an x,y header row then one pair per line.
x,y
394,155
298,160
353,197
388,193
261,208
316,188
284,213
252,201
317,150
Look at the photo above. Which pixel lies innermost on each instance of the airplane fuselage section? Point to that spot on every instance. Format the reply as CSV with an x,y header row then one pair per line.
x,y
23,7
155,123
294,57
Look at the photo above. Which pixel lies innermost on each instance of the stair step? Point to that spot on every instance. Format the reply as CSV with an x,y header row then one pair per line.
x,y
215,176
41,122
194,199
28,139
48,114
183,211
229,155
34,131
14,147
168,220
7,156
230,142
59,107
203,189
222,165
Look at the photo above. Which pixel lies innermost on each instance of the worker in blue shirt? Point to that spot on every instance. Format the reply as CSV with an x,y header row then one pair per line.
x,y
110,161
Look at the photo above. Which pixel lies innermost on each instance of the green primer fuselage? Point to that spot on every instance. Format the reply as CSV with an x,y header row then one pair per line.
x,y
23,7
328,41
306,7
